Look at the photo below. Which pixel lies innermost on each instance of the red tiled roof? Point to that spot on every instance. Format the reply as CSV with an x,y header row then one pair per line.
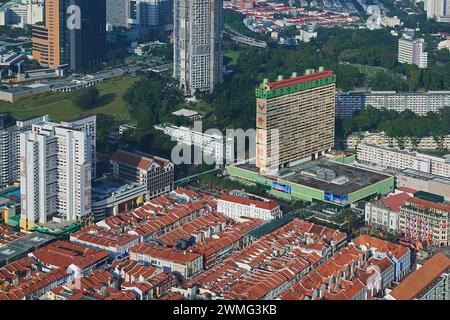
x,y
137,160
425,205
395,202
300,79
267,205
61,254
417,281
163,253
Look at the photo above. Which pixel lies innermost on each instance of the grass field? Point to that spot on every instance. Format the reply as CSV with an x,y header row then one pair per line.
x,y
60,107
233,55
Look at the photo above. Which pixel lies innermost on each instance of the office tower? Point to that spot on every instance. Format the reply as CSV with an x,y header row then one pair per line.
x,y
411,51
154,172
57,42
116,13
438,10
198,49
9,149
151,14
55,175
294,119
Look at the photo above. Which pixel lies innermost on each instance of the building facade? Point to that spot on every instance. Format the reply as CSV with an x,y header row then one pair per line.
x,y
187,264
55,175
71,36
429,282
395,160
237,207
198,48
425,221
380,138
154,172
294,119
418,102
384,214
427,182
438,10
220,148
412,51
10,149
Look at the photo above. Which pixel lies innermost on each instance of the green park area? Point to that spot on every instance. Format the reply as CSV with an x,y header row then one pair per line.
x,y
60,107
233,56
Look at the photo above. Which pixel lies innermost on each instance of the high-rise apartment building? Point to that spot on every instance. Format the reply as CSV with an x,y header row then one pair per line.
x,y
294,119
55,175
198,49
412,51
88,125
9,149
438,10
62,41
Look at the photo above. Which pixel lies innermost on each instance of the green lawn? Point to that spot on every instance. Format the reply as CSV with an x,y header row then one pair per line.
x,y
60,107
233,55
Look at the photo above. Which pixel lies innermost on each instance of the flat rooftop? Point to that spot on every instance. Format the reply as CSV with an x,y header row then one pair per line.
x,y
20,247
104,188
358,178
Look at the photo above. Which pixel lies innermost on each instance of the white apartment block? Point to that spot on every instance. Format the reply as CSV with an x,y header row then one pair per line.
x,y
214,145
412,51
418,102
9,149
237,207
198,48
88,125
395,160
380,138
55,175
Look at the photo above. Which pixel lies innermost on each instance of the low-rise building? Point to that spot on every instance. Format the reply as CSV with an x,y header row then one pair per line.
x,y
186,264
395,160
13,94
112,196
429,282
237,207
217,146
380,138
188,114
154,172
71,258
384,214
410,178
398,255
418,102
95,237
425,221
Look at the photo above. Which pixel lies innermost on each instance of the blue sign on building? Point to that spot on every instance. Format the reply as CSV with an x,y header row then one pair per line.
x,y
281,187
335,198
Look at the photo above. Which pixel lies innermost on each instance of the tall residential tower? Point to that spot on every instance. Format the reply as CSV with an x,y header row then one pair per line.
x,y
55,173
198,50
294,119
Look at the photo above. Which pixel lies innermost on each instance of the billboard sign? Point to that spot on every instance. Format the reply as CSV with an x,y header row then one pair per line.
x,y
335,198
281,187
